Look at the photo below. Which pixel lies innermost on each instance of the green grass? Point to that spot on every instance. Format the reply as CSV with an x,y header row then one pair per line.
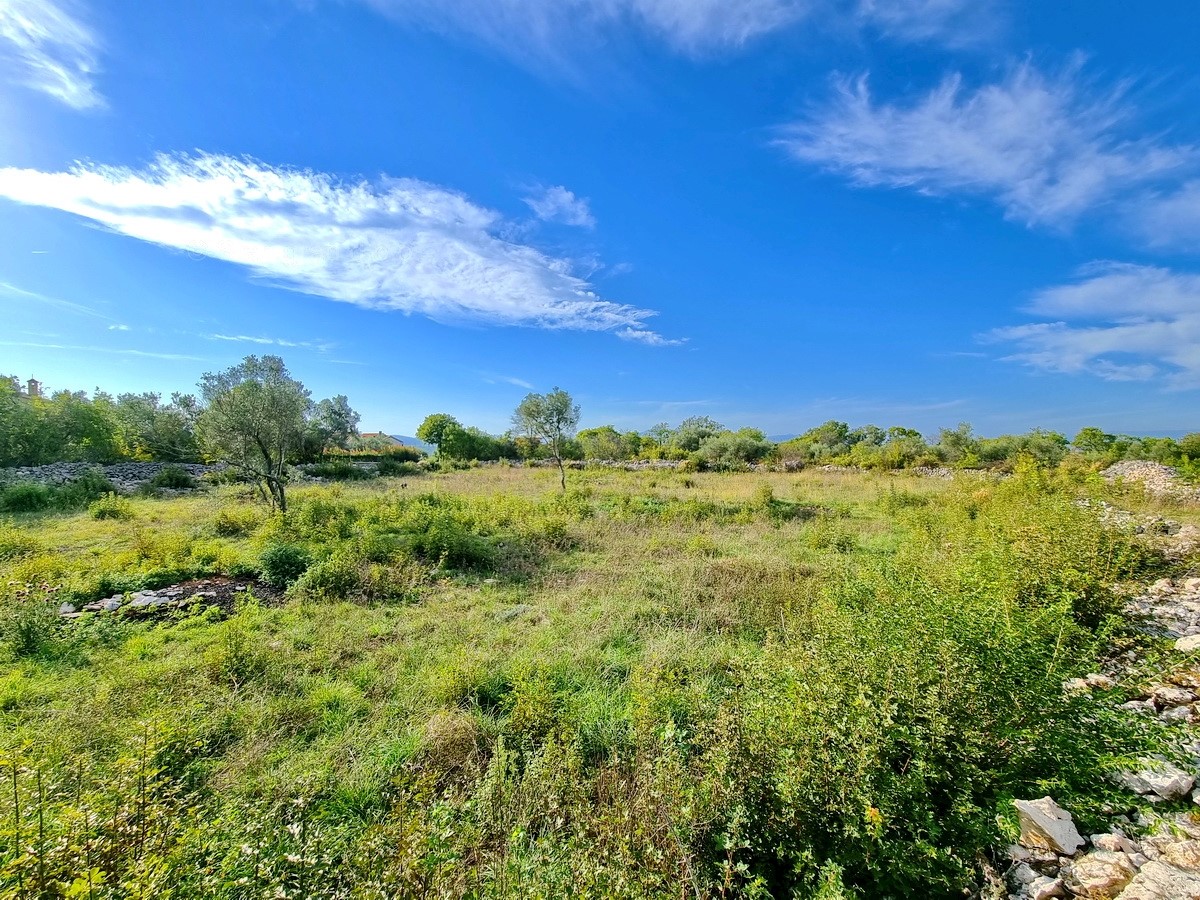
x,y
822,684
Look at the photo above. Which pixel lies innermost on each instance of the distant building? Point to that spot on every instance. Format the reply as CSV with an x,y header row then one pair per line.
x,y
33,388
378,438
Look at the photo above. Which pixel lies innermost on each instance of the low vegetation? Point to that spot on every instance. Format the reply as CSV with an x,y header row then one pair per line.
x,y
651,684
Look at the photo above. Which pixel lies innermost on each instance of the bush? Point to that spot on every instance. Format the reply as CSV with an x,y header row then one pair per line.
x,y
392,467
282,564
30,622
338,470
236,521
91,485
174,478
26,496
111,506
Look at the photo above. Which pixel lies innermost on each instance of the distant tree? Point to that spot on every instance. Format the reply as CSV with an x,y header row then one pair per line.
x,y
433,430
735,449
254,420
694,431
150,429
1093,440
333,423
606,442
553,418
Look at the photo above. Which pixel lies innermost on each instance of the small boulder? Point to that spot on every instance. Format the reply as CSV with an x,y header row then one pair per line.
x,y
1158,779
1047,826
1159,881
1101,874
1188,644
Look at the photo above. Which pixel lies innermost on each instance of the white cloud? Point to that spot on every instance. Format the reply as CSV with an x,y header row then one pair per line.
x,y
118,327
956,22
1171,220
45,47
11,290
648,337
398,244
557,204
566,31
1119,322
554,29
144,354
275,342
1046,149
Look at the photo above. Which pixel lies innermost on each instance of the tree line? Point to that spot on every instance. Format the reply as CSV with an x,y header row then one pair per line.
x,y
259,419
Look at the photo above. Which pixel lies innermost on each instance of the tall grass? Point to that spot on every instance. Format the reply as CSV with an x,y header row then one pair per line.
x,y
816,685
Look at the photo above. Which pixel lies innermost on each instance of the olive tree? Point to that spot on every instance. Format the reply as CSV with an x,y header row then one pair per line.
x,y
255,418
552,418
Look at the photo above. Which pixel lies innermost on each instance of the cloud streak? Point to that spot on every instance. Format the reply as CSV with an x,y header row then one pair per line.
x,y
557,204
557,30
1118,322
396,244
1045,148
46,48
11,290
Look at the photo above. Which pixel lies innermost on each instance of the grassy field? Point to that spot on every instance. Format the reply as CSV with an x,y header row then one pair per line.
x,y
814,685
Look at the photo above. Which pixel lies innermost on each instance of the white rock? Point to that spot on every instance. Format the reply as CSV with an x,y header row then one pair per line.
x,y
1046,825
1188,644
1158,881
1045,888
1100,682
1170,695
1158,778
1101,874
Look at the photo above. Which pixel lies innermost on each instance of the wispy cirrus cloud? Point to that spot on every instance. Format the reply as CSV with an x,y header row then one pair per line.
x,y
44,45
1118,322
557,204
1045,148
1171,219
557,30
22,295
116,351
269,341
396,244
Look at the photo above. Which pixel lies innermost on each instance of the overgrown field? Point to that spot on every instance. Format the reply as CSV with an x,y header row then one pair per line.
x,y
654,685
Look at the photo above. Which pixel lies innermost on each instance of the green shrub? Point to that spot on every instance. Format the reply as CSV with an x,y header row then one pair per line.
x,y
282,564
338,470
91,485
26,496
174,478
29,620
392,467
236,521
111,506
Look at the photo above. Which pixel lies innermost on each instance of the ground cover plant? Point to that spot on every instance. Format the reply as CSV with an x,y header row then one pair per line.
x,y
652,684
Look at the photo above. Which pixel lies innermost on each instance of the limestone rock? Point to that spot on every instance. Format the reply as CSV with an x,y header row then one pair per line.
x,y
1159,881
1101,874
1188,644
1157,779
1047,826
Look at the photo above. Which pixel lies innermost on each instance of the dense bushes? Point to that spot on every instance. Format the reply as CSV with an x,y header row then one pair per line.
x,y
28,496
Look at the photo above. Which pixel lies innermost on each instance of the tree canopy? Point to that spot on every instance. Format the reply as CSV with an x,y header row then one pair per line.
x,y
553,418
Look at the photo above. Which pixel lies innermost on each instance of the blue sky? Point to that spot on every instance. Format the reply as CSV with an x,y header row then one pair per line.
x,y
772,212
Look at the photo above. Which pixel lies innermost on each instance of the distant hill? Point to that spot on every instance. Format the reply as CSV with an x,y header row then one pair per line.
x,y
414,442
780,438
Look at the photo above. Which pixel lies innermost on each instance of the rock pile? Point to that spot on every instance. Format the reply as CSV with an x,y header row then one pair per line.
x,y
216,591
1157,479
127,477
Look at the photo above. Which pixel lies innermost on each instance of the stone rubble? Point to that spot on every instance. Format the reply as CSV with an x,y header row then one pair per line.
x,y
127,477
1163,863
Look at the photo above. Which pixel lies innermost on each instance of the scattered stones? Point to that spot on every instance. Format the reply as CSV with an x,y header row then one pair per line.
x,y
218,590
1047,826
